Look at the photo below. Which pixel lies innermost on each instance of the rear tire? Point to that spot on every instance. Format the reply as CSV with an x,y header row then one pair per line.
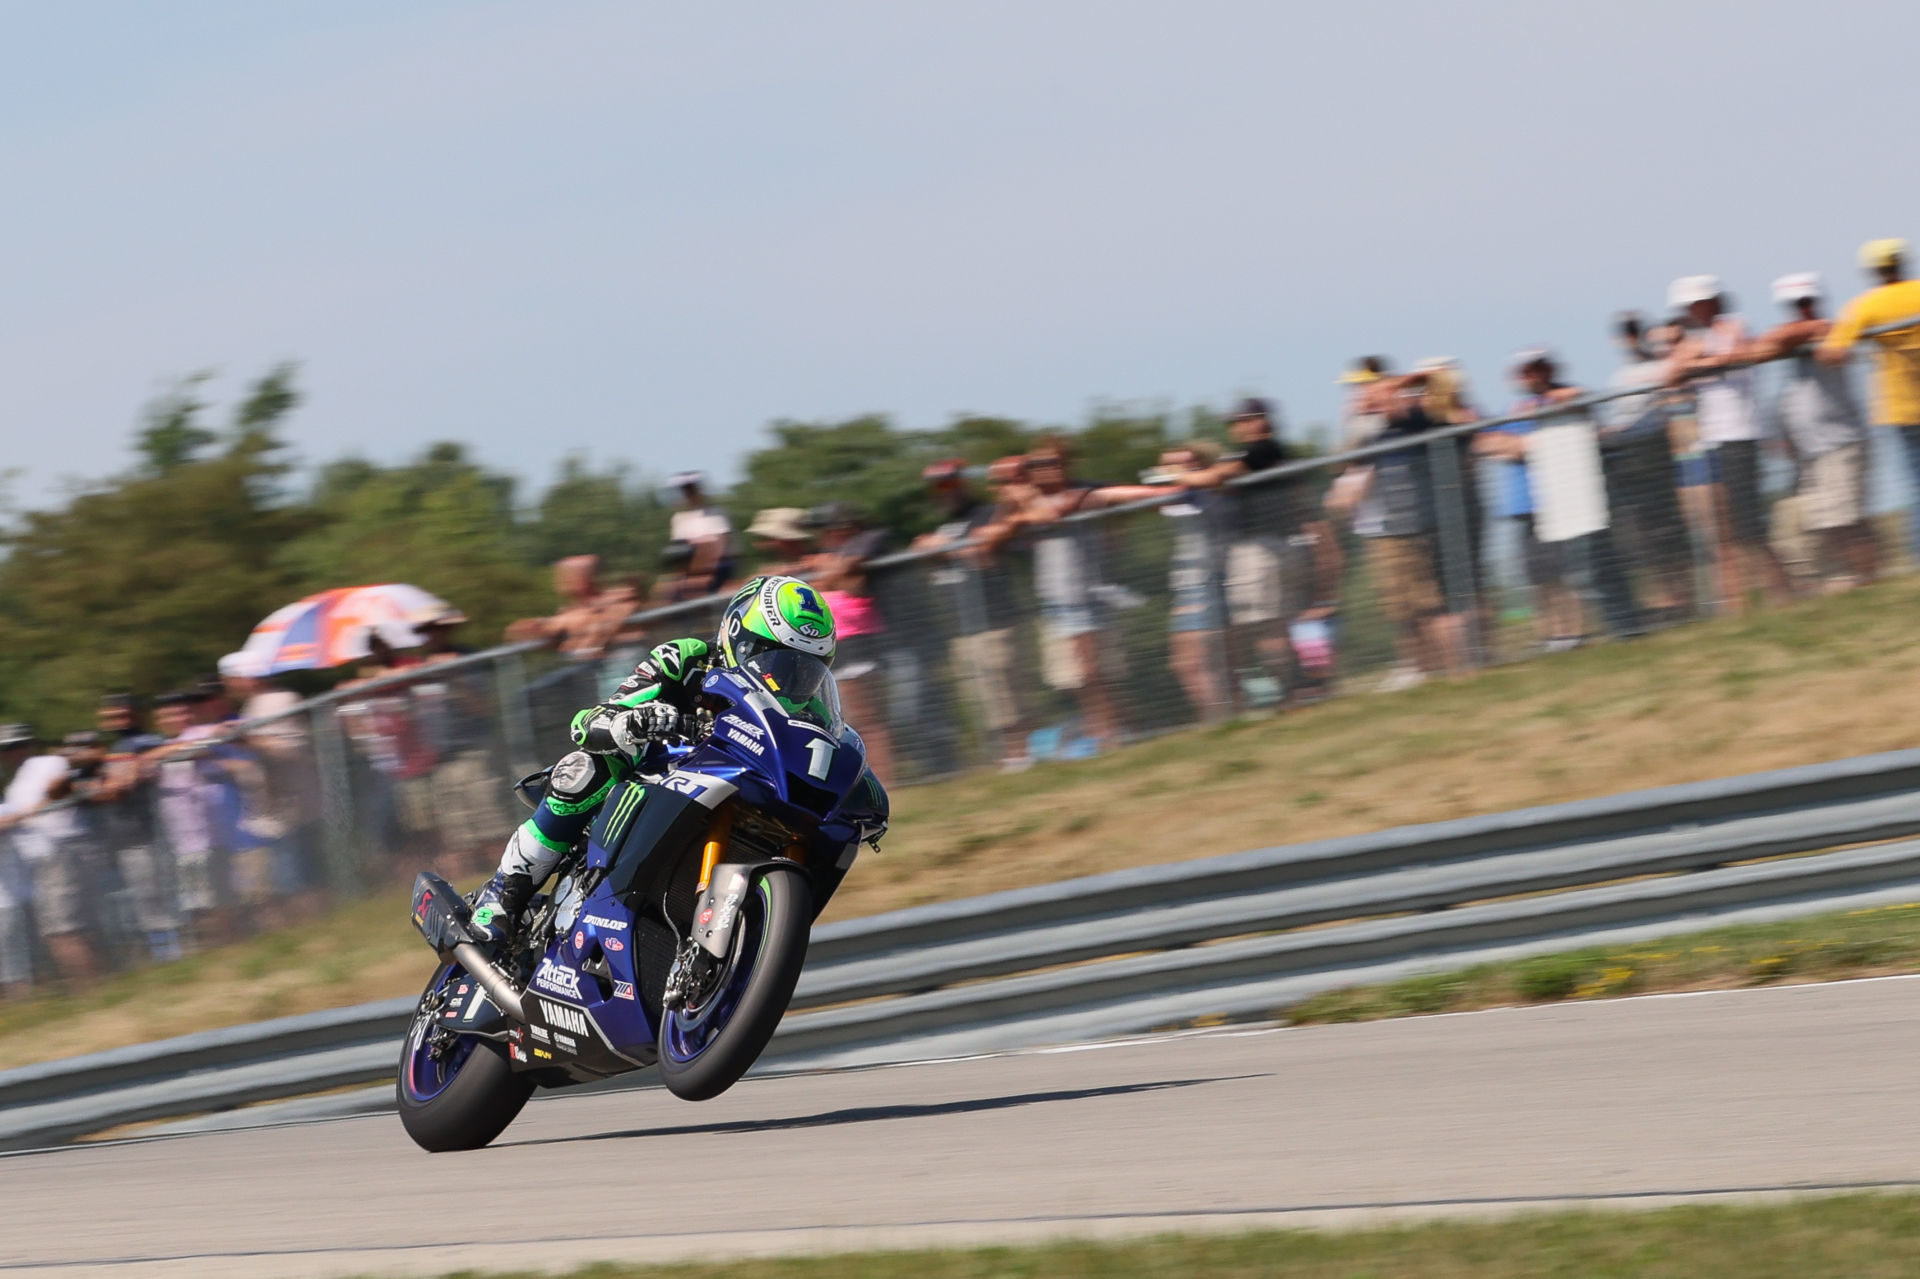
x,y
471,1108
777,918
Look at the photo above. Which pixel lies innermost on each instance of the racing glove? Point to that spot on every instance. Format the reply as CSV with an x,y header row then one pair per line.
x,y
651,722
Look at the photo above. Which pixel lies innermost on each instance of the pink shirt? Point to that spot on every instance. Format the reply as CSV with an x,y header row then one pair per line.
x,y
853,614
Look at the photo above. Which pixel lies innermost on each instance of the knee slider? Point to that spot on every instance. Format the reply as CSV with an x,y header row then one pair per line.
x,y
577,776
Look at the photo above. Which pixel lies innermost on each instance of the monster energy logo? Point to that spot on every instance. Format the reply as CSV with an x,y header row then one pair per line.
x,y
623,810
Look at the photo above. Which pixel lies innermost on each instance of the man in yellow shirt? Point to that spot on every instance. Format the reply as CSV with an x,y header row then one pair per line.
x,y
1896,380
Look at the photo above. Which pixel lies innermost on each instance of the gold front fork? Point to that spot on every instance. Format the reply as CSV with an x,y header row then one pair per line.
x,y
719,830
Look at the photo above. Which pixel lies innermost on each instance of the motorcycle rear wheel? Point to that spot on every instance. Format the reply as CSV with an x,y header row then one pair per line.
x,y
463,1099
704,1051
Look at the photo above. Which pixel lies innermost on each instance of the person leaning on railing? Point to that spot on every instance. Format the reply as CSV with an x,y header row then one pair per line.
x,y
1896,383
1822,422
37,779
979,596
1712,356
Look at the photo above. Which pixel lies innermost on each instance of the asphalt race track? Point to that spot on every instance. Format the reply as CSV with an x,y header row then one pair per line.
x,y
1630,1102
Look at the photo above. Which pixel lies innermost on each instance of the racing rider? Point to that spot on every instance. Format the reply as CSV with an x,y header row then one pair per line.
x,y
650,706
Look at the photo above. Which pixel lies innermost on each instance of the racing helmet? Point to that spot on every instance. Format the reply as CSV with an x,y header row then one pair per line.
x,y
772,613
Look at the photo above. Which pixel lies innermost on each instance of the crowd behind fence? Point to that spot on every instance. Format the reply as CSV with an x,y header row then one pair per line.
x,y
1422,550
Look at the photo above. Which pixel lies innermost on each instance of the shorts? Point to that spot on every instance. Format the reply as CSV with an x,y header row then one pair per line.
x,y
986,660
252,873
1060,664
1833,488
466,800
59,894
1067,620
16,947
1403,574
199,874
413,803
1546,562
1194,603
1739,464
1696,470
1256,583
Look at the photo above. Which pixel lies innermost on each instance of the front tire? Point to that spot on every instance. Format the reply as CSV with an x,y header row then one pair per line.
x,y
462,1097
705,1050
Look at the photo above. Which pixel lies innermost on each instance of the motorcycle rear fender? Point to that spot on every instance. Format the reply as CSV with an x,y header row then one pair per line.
x,y
717,913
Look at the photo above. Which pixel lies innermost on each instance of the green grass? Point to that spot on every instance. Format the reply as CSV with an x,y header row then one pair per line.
x,y
1861,943
1858,1236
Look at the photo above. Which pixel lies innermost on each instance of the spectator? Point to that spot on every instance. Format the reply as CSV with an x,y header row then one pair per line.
x,y
969,537
839,572
1559,614
1637,459
1065,578
781,540
130,828
188,785
1711,354
1828,434
45,841
284,801
706,531
1448,403
1196,619
1283,567
395,748
439,636
1896,383
590,617
1392,510
16,878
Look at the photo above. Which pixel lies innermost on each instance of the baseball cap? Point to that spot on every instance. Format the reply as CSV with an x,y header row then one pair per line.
x,y
780,524
685,479
1530,355
1800,286
947,468
1688,289
1876,254
1251,406
12,735
1368,368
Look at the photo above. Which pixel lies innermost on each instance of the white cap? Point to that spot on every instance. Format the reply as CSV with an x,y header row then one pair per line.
x,y
243,665
1688,289
1528,355
1800,286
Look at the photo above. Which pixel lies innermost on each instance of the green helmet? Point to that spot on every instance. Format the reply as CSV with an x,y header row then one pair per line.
x,y
775,612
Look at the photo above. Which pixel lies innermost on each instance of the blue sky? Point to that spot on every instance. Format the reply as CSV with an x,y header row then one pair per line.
x,y
641,231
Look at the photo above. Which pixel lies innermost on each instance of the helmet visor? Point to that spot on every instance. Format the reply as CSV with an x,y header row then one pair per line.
x,y
801,683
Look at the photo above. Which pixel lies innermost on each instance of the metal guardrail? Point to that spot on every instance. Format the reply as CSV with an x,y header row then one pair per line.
x,y
1131,950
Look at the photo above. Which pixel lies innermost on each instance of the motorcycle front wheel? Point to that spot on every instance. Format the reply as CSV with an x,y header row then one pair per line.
x,y
454,1093
705,1049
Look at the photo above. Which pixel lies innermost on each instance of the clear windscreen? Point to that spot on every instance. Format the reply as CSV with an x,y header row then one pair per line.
x,y
801,684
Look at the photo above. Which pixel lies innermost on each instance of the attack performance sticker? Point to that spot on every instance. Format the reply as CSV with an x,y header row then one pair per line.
x,y
559,980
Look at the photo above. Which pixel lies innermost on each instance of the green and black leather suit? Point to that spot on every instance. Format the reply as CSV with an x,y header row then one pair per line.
x,y
611,737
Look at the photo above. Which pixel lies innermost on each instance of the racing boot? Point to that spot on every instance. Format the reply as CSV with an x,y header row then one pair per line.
x,y
497,908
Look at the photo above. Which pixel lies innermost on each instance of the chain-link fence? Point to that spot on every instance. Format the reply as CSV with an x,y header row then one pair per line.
x,y
1420,552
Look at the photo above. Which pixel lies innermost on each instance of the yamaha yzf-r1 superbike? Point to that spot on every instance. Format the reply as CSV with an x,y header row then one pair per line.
x,y
673,934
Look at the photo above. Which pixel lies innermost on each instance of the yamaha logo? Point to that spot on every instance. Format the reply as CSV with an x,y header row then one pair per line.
x,y
561,1017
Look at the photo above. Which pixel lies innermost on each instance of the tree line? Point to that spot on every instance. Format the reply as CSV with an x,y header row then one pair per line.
x,y
140,581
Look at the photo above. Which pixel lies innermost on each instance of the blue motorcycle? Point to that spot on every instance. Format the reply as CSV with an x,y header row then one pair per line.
x,y
673,935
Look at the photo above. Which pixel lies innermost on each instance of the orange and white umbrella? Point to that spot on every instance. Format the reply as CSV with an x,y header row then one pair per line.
x,y
333,627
